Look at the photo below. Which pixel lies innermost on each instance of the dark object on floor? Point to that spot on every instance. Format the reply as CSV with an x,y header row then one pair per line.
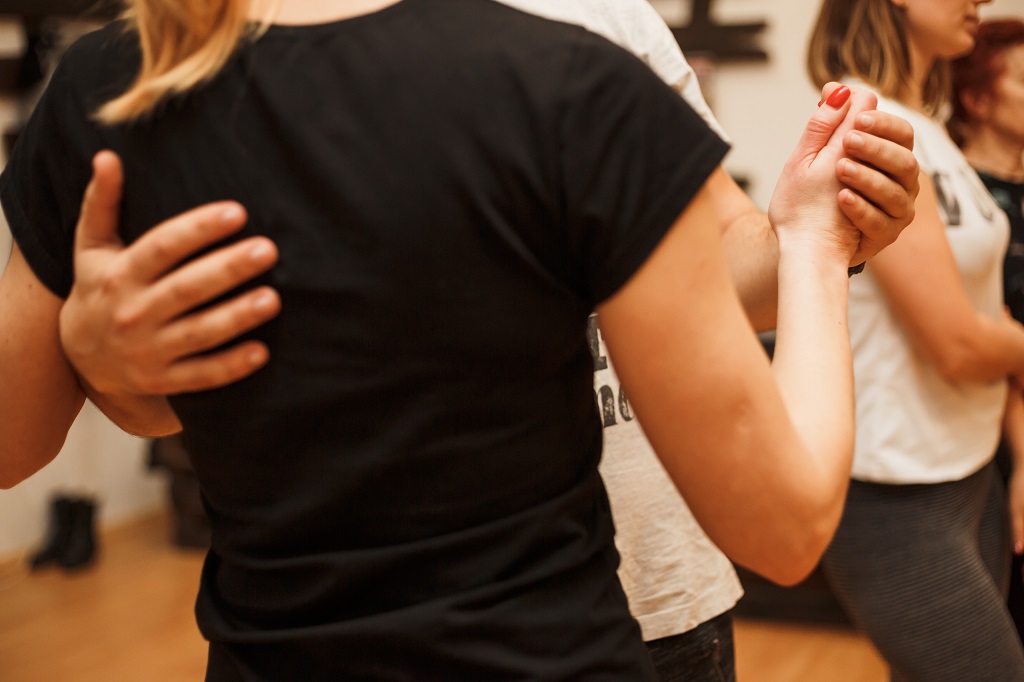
x,y
191,527
80,549
71,538
57,535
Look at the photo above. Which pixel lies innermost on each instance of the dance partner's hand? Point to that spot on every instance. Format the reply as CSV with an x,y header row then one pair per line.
x,y
129,326
883,173
805,206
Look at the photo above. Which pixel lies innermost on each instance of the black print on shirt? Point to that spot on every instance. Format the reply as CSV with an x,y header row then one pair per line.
x,y
607,401
593,338
948,204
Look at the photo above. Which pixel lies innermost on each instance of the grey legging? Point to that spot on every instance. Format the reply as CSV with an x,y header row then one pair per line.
x,y
924,571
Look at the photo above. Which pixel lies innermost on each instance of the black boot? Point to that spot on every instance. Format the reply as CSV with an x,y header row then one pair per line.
x,y
61,509
80,548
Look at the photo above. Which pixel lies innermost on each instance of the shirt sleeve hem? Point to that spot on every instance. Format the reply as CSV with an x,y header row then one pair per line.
x,y
682,189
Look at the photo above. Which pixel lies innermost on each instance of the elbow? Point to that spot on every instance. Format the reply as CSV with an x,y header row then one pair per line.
x,y
10,478
791,556
21,466
957,364
799,561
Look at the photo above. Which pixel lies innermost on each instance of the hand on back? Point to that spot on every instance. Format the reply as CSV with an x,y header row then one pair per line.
x,y
130,325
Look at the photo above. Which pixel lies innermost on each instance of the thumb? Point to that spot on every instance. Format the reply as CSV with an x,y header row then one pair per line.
x,y
98,220
831,111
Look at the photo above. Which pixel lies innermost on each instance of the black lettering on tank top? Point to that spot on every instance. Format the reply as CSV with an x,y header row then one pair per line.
x,y
949,207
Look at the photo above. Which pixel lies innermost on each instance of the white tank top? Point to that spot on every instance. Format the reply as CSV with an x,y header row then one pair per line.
x,y
914,426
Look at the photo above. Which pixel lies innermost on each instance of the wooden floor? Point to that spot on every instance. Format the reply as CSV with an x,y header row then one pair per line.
x,y
129,617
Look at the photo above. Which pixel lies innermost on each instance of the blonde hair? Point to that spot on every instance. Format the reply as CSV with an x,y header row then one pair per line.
x,y
184,43
866,39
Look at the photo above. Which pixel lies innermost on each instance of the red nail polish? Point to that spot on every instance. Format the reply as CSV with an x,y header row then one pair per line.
x,y
820,102
838,97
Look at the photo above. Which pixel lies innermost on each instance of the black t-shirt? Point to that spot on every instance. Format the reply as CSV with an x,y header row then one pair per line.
x,y
409,489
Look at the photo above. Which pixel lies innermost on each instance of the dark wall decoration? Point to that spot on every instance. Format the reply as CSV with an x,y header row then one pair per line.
x,y
722,42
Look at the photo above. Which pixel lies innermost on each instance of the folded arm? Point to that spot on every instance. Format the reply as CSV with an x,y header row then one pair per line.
x,y
762,464
761,452
922,285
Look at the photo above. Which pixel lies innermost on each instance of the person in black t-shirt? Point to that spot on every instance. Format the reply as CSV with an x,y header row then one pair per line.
x,y
409,487
988,124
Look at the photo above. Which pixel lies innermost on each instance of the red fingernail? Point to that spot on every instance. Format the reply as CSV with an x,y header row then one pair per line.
x,y
838,97
820,102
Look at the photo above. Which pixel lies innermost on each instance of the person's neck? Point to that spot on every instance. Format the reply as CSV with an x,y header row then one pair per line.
x,y
299,12
995,155
921,64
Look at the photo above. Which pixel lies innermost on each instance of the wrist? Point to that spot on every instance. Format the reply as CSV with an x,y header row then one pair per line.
x,y
820,255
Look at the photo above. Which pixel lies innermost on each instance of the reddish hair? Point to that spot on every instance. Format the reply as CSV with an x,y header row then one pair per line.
x,y
975,74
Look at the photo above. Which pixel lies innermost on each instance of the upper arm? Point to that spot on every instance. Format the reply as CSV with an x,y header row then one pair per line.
x,y
39,394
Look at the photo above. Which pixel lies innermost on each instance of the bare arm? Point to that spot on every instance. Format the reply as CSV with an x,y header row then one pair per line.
x,y
919,277
39,395
881,175
761,453
766,494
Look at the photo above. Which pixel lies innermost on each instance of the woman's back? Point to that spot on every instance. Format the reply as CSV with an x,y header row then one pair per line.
x,y
453,187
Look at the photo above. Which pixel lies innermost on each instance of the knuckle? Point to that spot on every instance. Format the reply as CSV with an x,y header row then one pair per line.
x,y
141,382
909,167
126,319
181,291
192,339
896,198
113,279
161,247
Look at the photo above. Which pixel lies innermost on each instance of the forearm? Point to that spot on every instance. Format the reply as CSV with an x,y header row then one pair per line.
x,y
752,254
969,346
990,351
812,365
